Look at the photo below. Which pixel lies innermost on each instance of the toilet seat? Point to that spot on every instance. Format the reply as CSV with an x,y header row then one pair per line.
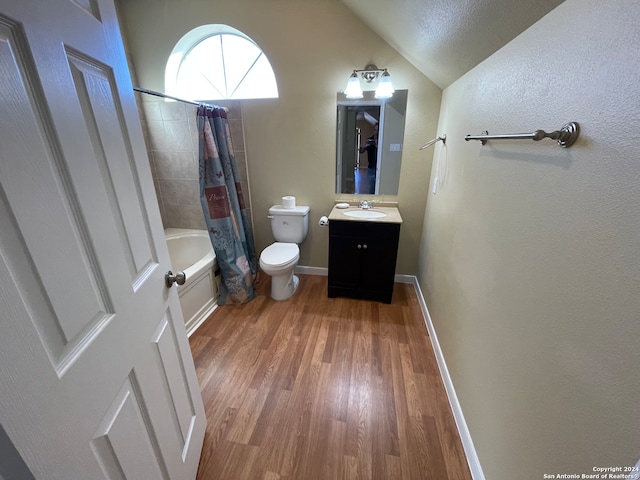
x,y
279,254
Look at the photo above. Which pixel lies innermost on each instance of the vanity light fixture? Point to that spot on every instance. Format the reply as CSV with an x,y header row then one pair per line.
x,y
369,74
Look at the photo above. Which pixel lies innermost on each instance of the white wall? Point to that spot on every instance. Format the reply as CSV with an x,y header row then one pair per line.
x,y
530,254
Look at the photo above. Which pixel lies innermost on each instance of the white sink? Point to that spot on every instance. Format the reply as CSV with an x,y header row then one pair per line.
x,y
365,214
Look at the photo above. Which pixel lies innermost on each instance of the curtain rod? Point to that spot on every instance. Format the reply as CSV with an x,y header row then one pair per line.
x,y
164,95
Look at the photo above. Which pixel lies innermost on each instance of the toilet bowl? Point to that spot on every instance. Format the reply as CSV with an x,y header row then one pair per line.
x,y
278,261
289,226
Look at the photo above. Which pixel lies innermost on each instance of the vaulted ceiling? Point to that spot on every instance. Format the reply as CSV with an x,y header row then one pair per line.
x,y
446,38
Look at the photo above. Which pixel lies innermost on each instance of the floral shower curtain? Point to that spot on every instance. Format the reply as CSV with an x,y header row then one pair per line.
x,y
224,209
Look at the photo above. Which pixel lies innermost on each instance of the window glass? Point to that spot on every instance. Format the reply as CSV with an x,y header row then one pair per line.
x,y
216,62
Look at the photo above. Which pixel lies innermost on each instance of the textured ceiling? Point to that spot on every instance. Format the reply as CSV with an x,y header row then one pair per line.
x,y
444,39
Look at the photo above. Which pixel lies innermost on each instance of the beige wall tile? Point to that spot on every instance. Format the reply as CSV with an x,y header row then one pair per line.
x,y
173,111
173,216
192,217
151,111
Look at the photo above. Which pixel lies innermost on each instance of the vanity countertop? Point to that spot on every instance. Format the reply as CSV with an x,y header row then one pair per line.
x,y
392,215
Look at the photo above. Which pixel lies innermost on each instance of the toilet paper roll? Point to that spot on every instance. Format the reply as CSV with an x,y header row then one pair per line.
x,y
289,202
324,221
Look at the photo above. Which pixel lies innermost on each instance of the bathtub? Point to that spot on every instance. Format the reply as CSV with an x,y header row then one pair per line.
x,y
191,252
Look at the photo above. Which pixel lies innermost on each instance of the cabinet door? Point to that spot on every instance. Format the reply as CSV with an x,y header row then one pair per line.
x,y
345,262
378,265
362,259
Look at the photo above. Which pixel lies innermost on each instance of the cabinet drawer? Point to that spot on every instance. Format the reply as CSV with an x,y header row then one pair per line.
x,y
346,228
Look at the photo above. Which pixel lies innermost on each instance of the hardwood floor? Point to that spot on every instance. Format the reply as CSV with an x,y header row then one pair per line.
x,y
319,388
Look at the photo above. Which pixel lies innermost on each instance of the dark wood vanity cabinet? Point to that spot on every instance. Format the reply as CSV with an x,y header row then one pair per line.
x,y
362,259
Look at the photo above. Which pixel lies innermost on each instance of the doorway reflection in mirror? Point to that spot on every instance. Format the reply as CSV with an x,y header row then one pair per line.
x,y
371,149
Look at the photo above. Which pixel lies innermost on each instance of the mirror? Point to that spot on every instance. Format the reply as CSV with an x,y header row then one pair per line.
x,y
357,148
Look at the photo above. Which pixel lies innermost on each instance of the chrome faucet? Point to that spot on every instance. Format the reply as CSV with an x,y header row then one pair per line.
x,y
365,204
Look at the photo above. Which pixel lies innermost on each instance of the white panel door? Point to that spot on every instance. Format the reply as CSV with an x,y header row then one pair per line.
x,y
96,375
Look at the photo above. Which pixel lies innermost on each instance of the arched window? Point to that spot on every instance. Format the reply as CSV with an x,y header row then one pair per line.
x,y
218,62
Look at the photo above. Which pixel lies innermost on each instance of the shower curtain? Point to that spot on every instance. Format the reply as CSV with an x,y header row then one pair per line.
x,y
224,209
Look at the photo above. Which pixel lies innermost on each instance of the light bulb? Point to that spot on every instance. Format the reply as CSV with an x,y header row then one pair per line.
x,y
353,89
385,87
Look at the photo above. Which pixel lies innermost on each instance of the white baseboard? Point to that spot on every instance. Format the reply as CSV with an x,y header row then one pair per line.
x,y
405,279
463,430
192,328
312,270
325,272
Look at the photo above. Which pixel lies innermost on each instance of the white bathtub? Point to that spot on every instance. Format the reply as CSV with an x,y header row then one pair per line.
x,y
191,252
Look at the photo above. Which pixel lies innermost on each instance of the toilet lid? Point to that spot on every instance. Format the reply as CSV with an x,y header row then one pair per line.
x,y
279,253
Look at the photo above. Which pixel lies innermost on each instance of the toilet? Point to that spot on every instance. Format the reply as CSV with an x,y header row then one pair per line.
x,y
278,260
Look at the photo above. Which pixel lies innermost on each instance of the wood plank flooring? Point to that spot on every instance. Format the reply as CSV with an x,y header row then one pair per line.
x,y
318,388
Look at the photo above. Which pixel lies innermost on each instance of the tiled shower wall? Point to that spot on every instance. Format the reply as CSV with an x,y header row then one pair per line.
x,y
172,142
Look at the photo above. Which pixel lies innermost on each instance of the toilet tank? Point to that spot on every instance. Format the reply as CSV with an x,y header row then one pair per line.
x,y
289,224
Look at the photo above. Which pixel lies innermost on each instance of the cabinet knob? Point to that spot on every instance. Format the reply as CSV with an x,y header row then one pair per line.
x,y
364,246
359,246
